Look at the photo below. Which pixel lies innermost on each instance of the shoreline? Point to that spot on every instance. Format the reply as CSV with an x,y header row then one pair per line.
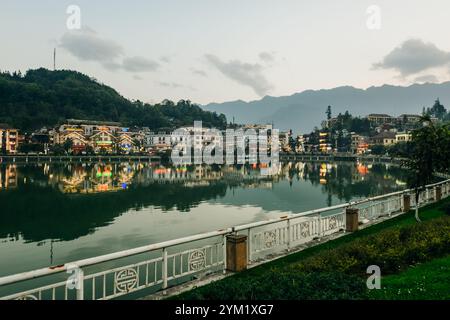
x,y
22,158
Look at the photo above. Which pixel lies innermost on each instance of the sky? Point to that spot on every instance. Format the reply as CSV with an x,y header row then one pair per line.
x,y
216,51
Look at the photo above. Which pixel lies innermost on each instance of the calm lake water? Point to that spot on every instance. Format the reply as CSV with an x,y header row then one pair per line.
x,y
51,214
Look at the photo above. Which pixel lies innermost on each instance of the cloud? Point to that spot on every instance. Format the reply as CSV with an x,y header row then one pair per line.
x,y
247,74
111,66
199,72
137,77
165,59
139,64
267,56
426,78
414,56
175,85
170,85
87,45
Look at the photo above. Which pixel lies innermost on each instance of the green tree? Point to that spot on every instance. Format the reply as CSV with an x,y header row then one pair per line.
x,y
437,110
378,149
30,147
89,150
67,145
3,138
57,150
424,158
329,113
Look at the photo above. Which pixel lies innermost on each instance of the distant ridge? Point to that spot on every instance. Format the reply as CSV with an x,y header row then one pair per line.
x,y
304,110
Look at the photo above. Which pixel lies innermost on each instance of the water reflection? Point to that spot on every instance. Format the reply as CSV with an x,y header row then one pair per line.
x,y
66,201
55,213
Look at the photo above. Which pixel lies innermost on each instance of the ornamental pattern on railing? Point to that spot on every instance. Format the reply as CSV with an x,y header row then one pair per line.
x,y
197,260
28,297
126,280
270,239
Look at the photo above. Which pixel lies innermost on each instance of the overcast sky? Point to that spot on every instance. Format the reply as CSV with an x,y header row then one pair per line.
x,y
216,51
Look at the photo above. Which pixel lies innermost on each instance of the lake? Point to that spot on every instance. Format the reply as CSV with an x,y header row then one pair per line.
x,y
56,213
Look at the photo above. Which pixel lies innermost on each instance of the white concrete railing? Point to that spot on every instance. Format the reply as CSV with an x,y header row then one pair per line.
x,y
159,266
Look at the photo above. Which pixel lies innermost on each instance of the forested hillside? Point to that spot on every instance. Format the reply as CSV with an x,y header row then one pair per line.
x,y
45,98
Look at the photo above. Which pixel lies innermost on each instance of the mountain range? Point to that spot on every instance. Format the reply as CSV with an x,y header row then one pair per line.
x,y
302,111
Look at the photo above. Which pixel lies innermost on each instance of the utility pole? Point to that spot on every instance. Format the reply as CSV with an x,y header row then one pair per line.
x,y
54,59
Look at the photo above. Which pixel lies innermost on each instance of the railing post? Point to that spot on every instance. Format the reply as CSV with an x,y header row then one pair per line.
x,y
80,284
224,245
319,225
236,252
164,268
288,235
249,245
438,193
406,202
352,219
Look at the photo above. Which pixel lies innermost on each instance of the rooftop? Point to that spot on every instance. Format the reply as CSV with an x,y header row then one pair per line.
x,y
385,135
93,122
379,115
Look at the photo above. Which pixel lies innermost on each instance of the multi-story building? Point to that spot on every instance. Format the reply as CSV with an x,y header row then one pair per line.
x,y
359,144
324,143
403,137
109,137
301,141
9,139
379,119
384,138
284,141
409,118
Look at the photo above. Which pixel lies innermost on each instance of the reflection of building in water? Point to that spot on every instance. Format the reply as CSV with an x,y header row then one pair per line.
x,y
8,177
362,169
86,178
72,183
359,172
323,173
185,173
100,177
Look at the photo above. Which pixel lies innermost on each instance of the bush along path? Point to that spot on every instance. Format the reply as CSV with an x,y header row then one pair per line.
x,y
338,269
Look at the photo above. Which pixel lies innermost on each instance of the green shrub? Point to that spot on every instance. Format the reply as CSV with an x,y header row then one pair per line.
x,y
338,273
281,285
392,250
446,208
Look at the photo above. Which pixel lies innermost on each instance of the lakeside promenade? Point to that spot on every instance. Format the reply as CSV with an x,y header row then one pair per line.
x,y
156,268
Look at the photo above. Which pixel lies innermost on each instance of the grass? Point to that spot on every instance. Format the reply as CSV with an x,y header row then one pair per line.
x,y
336,269
427,281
